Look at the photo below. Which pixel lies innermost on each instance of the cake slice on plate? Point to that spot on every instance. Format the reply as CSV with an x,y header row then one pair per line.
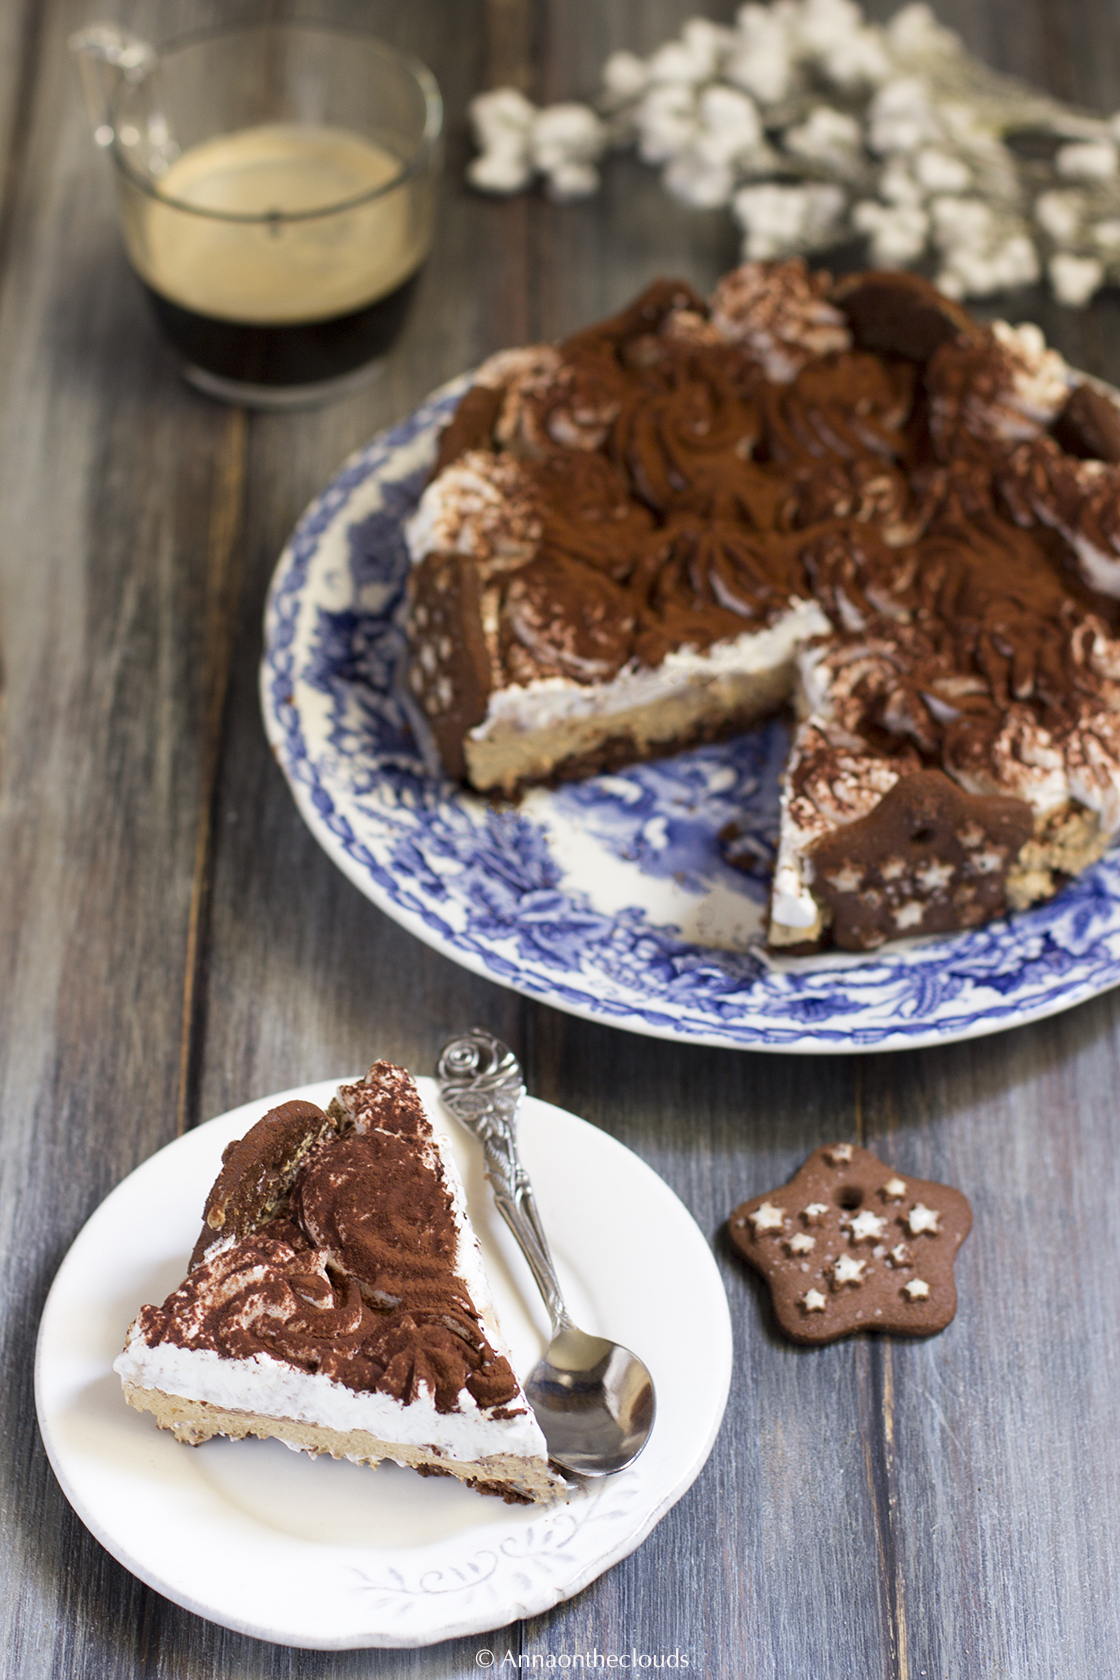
x,y
336,1301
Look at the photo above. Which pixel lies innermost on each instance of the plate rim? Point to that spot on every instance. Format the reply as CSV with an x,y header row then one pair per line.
x,y
547,1594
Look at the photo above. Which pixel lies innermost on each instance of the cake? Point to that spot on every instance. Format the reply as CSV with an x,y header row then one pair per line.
x,y
849,495
336,1301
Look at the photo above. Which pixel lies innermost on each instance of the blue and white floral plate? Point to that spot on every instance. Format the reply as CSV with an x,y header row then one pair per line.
x,y
608,898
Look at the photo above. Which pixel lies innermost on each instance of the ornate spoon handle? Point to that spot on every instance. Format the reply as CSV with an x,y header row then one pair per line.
x,y
481,1082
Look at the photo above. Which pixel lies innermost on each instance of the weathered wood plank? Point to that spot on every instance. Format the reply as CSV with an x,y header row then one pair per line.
x,y
947,1507
106,481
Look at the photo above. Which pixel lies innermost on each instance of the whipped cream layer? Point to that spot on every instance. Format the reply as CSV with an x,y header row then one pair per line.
x,y
552,700
275,1389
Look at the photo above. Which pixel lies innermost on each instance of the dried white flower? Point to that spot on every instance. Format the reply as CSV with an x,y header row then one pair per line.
x,y
897,233
625,77
1060,214
898,186
901,118
727,132
914,33
821,25
560,142
857,60
730,126
566,134
780,221
1074,279
828,137
1087,160
567,181
501,170
696,57
667,120
762,55
941,172
983,251
500,113
695,181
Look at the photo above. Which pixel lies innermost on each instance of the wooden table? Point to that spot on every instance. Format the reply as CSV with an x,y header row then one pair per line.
x,y
177,943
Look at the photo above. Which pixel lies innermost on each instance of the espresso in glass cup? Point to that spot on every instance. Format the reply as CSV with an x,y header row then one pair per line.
x,y
277,192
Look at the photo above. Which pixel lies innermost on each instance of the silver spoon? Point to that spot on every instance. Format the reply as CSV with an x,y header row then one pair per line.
x,y
593,1399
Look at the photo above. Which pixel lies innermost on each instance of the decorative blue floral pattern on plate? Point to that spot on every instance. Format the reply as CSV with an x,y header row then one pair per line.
x,y
609,898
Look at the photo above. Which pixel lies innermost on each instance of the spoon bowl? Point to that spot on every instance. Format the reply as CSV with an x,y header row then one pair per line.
x,y
593,1398
594,1402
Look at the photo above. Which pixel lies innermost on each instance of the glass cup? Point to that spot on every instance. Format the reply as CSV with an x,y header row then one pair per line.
x,y
277,193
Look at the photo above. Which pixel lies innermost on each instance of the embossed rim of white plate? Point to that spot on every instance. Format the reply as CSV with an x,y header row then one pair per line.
x,y
389,830
155,1507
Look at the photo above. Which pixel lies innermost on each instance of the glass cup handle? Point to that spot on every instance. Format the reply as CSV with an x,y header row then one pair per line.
x,y
107,54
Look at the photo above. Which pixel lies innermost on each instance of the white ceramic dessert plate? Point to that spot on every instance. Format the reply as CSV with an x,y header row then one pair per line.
x,y
611,897
334,1556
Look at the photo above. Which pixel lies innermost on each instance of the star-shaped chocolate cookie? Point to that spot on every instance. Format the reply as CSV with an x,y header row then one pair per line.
x,y
849,1244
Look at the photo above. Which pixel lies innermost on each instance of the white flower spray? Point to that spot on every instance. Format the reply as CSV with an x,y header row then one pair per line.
x,y
813,127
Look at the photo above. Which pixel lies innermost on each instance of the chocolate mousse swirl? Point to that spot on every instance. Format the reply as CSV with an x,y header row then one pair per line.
x,y
995,606
587,512
865,489
781,314
993,390
858,578
1078,498
847,405
365,1208
570,405
978,619
647,315
559,618
700,582
684,442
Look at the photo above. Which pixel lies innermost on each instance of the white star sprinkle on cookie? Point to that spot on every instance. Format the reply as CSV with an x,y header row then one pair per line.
x,y
923,1218
767,1218
867,1226
839,1153
801,1244
916,1290
848,1270
813,1301
815,1212
894,1189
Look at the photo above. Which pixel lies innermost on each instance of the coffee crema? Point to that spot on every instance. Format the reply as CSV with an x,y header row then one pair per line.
x,y
266,258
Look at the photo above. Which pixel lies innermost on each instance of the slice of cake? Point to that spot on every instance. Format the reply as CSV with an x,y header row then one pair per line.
x,y
336,1301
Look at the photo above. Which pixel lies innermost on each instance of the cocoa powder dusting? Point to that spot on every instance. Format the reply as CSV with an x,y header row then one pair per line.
x,y
354,1277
